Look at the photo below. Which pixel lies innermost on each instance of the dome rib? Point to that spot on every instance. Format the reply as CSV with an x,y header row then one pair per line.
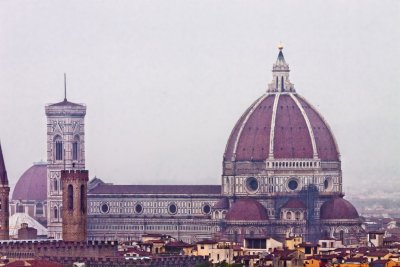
x,y
292,138
310,130
272,132
323,134
245,122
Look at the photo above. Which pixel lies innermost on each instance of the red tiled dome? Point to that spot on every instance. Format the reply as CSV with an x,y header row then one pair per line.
x,y
247,209
294,203
338,208
32,185
292,135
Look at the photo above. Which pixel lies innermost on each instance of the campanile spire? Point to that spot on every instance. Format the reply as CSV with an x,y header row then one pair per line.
x,y
280,75
4,198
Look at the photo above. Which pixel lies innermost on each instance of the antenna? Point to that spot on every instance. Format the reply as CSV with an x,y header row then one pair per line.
x,y
65,87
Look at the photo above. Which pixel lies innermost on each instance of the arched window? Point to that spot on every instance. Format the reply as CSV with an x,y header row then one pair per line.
x,y
282,84
341,235
276,82
236,236
58,147
55,186
297,215
75,148
82,198
55,213
70,197
289,215
39,209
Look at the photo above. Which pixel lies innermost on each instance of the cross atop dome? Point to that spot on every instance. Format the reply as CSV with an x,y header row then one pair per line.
x,y
280,75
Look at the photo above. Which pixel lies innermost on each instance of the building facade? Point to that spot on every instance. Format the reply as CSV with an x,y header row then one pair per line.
x,y
281,177
65,151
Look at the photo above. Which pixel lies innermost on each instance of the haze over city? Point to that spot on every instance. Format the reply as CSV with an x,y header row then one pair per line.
x,y
165,82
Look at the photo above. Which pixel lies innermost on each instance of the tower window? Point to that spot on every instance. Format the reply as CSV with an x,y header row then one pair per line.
x,y
55,185
82,198
75,148
55,213
70,197
58,147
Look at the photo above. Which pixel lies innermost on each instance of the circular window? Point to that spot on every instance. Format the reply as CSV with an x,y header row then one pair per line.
x,y
138,208
172,209
105,208
293,184
206,209
252,184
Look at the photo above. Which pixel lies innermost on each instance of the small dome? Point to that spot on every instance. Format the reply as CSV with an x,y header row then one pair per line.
x,y
247,209
294,203
338,208
222,204
32,185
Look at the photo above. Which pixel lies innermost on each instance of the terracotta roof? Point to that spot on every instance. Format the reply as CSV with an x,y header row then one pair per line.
x,y
378,253
391,239
178,244
222,204
294,203
247,209
157,189
285,254
32,185
308,245
338,208
250,138
3,171
33,263
356,259
207,241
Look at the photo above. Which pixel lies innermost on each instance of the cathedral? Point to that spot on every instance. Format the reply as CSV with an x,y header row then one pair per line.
x,y
281,177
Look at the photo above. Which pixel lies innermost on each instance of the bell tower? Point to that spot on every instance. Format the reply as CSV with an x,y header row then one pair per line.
x,y
65,151
4,193
74,205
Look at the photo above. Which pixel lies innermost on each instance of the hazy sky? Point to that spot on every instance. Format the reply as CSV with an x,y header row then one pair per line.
x,y
165,81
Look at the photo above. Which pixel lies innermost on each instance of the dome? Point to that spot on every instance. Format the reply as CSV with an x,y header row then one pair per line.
x,y
294,203
288,130
338,208
32,185
246,209
281,125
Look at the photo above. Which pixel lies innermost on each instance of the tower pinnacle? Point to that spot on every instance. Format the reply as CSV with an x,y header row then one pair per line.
x,y
3,172
65,87
280,75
